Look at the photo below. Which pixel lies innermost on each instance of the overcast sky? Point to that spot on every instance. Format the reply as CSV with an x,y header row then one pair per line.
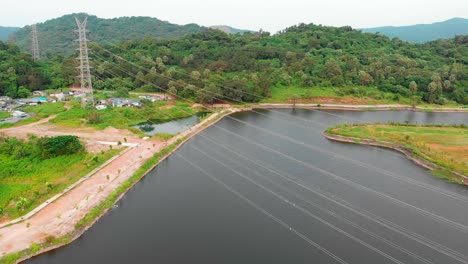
x,y
270,15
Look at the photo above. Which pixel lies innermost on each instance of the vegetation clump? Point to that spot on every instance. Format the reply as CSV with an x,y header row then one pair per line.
x,y
34,170
446,146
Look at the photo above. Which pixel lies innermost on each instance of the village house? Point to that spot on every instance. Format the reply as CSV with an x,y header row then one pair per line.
x,y
120,102
19,114
39,93
6,103
5,99
154,97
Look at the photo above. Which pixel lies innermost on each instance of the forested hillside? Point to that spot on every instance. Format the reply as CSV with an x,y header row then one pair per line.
x,y
300,56
19,74
248,67
425,32
56,35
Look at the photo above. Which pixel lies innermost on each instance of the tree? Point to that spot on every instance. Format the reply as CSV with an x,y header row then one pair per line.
x,y
139,79
460,95
436,79
206,73
11,91
334,73
172,90
195,75
59,145
209,94
433,94
187,59
285,79
122,92
23,92
365,78
160,64
147,88
413,86
189,91
447,85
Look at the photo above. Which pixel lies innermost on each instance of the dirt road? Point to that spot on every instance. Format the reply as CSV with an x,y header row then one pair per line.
x,y
59,218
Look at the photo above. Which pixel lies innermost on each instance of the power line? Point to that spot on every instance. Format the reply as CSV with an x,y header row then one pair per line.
x,y
332,154
423,240
285,200
172,79
333,198
241,91
85,69
274,218
35,43
358,186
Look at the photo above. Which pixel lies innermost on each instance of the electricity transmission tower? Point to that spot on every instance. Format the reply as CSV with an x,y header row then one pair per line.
x,y
85,69
34,43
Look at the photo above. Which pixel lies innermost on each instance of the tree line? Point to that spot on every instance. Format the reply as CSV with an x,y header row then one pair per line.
x,y
211,65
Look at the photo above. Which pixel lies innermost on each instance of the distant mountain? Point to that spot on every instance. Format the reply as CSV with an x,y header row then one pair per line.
x,y
425,32
6,31
230,30
56,35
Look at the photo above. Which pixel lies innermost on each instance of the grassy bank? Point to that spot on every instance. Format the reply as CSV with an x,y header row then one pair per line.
x,y
122,117
446,146
26,181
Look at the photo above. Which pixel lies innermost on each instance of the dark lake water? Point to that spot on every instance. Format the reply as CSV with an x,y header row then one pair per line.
x,y
171,127
238,194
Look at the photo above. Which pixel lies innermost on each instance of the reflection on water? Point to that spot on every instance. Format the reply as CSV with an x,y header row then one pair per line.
x,y
172,127
178,214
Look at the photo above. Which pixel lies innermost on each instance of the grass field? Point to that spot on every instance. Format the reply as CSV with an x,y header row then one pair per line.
x,y
123,117
338,95
443,145
4,114
26,183
40,112
45,110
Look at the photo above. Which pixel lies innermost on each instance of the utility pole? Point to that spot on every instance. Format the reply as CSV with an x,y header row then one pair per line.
x,y
85,69
294,100
34,43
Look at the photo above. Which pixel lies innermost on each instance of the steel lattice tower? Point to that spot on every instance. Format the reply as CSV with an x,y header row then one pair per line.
x,y
85,69
34,43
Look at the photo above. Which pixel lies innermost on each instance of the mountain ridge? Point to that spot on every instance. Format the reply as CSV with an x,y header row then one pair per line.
x,y
230,30
421,33
56,35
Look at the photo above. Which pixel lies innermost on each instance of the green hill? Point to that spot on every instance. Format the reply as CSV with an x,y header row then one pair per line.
x,y
19,74
6,31
301,59
56,35
425,32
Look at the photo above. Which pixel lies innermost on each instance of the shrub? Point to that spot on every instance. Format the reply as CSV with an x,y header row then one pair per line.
x,y
94,118
60,145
